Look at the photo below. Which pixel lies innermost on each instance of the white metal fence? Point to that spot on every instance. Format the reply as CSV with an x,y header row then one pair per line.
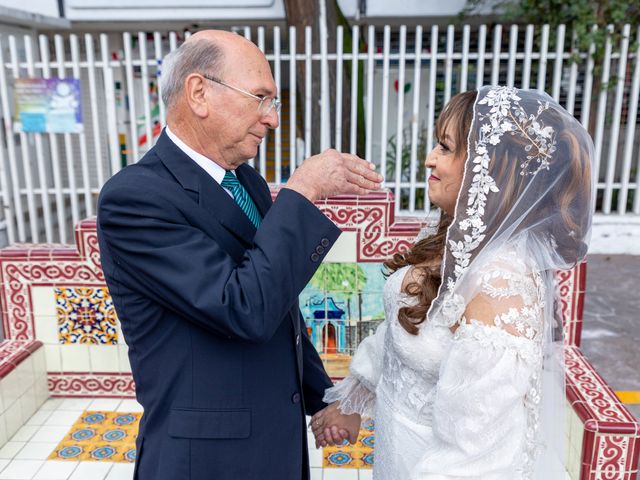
x,y
405,75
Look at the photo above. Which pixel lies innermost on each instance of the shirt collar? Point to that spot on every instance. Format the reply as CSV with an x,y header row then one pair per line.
x,y
212,168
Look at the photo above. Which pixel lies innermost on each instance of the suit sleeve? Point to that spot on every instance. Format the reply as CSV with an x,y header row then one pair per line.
x,y
158,253
314,377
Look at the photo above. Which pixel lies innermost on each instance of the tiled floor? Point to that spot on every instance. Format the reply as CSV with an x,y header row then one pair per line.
x,y
24,457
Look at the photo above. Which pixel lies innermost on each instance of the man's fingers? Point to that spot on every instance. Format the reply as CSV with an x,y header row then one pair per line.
x,y
361,182
364,168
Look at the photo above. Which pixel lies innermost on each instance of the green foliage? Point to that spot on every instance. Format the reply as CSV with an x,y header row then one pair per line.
x,y
346,277
579,16
405,174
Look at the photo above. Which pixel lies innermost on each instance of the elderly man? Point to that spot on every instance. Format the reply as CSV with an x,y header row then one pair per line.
x,y
205,272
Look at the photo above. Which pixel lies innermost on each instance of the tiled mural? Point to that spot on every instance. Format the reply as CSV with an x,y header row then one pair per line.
x,y
343,304
86,315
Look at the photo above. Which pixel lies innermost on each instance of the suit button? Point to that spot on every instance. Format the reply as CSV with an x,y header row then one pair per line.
x,y
319,250
298,339
315,257
324,242
295,398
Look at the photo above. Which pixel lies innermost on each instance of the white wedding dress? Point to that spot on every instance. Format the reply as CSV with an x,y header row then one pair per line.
x,y
461,405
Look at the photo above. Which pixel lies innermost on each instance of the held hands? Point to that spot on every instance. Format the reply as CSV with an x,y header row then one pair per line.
x,y
333,173
331,427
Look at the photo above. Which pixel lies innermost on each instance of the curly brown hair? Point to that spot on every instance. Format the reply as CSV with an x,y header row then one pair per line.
x,y
426,254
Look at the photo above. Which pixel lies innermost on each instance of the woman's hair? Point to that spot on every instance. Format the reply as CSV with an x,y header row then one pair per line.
x,y
426,255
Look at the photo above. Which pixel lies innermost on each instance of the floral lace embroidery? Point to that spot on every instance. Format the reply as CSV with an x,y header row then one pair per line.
x,y
505,116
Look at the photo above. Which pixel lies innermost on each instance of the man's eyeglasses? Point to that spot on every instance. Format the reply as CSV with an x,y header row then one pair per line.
x,y
266,105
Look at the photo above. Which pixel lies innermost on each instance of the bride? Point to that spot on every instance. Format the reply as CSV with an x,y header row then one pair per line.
x,y
464,378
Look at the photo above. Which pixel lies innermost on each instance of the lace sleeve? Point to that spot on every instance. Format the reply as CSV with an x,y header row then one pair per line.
x,y
485,407
356,393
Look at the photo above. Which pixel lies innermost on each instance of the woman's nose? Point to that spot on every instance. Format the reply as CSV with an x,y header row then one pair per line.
x,y
430,160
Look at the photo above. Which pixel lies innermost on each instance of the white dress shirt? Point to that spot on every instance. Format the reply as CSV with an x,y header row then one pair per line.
x,y
212,168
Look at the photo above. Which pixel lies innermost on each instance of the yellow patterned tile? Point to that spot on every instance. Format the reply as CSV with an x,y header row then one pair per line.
x,y
86,315
101,437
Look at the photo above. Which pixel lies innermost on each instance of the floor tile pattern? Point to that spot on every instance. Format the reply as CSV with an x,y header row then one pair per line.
x,y
100,436
359,455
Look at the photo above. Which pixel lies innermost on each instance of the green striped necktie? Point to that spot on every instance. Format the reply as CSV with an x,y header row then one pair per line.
x,y
242,198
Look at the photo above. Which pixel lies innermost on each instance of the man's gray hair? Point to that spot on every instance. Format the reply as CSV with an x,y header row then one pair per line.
x,y
195,56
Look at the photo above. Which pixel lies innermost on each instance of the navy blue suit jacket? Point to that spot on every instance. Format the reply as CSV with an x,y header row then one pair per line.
x,y
209,308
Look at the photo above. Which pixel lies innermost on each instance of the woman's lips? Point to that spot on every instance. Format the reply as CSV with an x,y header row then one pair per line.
x,y
433,178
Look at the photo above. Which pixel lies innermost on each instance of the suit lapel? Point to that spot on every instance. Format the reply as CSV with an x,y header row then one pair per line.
x,y
212,198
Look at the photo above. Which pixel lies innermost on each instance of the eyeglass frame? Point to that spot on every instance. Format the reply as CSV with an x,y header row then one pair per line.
x,y
274,103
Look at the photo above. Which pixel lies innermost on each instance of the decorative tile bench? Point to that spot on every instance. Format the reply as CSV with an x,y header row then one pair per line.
x,y
23,384
54,296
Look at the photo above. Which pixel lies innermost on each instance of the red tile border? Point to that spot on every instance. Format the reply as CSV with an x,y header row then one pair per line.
x,y
91,384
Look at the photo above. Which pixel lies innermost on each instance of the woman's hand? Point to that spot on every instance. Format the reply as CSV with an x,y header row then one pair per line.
x,y
332,427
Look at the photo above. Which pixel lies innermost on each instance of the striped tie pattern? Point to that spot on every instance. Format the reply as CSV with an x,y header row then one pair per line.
x,y
242,198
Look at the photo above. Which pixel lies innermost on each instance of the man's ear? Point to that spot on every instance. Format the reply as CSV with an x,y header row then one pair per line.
x,y
196,94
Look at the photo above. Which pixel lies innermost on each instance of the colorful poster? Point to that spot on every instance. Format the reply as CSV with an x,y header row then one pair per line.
x,y
49,105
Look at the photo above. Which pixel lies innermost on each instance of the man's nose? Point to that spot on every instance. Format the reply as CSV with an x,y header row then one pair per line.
x,y
272,120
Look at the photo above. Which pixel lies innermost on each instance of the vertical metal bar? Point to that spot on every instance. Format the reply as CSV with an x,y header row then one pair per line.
x,y
482,42
26,156
10,206
173,41
557,70
588,83
464,72
7,204
495,60
110,100
385,100
157,52
133,120
42,174
339,66
93,96
54,149
293,136
263,145
417,66
602,104
369,111
325,111
615,120
573,76
513,51
632,113
528,53
355,62
542,69
146,101
11,147
433,67
400,118
448,71
84,162
307,92
68,147
277,67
